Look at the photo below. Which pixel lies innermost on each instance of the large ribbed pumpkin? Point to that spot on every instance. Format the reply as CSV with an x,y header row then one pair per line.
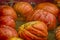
x,y
23,8
45,16
7,32
6,10
58,33
52,8
35,30
7,20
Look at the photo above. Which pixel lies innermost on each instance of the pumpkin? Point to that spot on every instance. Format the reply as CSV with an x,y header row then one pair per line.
x,y
15,38
24,8
45,16
35,30
52,8
58,33
7,32
6,10
7,20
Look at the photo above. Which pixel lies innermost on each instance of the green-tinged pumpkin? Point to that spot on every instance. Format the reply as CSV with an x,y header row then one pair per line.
x,y
35,30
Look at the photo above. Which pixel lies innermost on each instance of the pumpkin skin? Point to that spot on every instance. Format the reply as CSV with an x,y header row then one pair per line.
x,y
6,10
7,32
7,20
45,16
58,33
35,30
24,8
52,8
15,38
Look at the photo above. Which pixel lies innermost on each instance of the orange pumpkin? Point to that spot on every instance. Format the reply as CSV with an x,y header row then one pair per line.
x,y
52,8
45,16
58,33
7,20
6,10
7,32
35,30
23,8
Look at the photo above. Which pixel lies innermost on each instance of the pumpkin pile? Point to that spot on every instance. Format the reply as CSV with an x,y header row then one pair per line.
x,y
46,12
39,20
7,23
7,16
